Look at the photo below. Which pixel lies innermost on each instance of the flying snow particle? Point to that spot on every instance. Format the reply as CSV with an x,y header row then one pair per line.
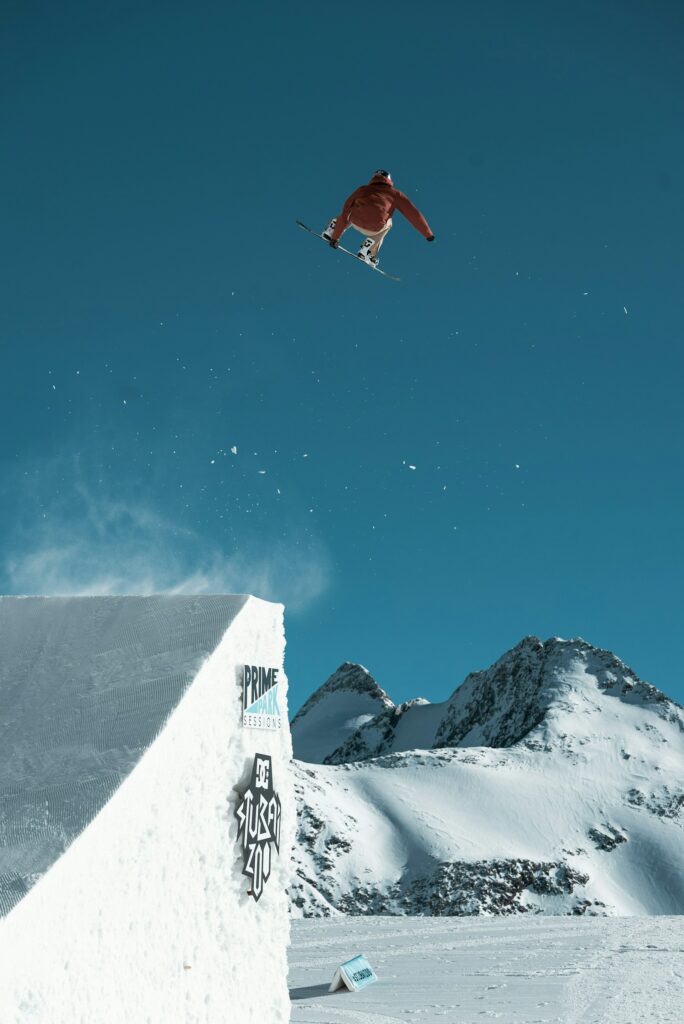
x,y
234,449
517,465
625,309
261,472
411,467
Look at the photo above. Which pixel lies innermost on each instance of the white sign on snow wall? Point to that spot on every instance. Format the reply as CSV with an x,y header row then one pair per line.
x,y
261,697
147,916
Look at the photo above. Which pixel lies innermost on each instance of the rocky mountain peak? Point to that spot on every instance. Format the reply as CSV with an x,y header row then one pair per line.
x,y
539,692
348,699
539,683
536,786
350,678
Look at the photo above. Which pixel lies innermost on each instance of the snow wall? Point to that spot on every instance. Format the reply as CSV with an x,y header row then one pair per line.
x,y
125,768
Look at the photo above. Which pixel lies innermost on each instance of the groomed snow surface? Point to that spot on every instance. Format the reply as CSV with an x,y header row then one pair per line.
x,y
121,721
524,970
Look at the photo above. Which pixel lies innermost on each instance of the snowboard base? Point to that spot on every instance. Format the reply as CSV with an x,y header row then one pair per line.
x,y
340,248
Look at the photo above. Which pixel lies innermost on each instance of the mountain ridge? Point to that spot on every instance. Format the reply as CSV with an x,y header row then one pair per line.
x,y
548,783
496,707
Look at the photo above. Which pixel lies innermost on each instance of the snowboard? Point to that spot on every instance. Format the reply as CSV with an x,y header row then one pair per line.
x,y
340,248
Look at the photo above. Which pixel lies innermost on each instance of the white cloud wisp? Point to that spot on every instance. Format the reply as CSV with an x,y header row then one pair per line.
x,y
119,547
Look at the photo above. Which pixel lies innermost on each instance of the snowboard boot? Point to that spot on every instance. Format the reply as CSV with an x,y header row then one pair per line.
x,y
365,250
327,234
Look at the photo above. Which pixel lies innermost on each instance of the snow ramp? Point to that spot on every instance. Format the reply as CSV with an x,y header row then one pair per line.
x,y
124,761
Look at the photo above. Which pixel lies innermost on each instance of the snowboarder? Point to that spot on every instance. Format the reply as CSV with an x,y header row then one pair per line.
x,y
369,210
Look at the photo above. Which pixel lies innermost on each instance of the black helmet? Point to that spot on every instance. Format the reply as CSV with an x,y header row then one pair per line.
x,y
383,174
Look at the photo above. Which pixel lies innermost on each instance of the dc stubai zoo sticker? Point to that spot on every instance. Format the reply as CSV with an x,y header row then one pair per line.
x,y
260,705
258,815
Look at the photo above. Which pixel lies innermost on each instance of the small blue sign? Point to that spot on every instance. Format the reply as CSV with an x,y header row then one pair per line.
x,y
358,973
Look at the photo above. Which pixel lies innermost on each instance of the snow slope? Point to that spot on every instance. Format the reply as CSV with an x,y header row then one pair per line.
x,y
123,717
555,784
515,971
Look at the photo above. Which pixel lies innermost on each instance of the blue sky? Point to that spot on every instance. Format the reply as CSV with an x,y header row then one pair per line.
x,y
158,308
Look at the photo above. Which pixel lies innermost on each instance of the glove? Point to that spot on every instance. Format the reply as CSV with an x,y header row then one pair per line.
x,y
431,238
334,242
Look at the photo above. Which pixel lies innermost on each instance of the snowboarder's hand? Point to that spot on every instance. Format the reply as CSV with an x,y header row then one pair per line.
x,y
430,238
334,242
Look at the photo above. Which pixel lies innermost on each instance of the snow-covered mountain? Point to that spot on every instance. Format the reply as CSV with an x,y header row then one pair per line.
x,y
345,702
552,781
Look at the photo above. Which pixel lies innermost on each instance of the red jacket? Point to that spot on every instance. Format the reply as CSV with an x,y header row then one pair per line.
x,y
372,205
